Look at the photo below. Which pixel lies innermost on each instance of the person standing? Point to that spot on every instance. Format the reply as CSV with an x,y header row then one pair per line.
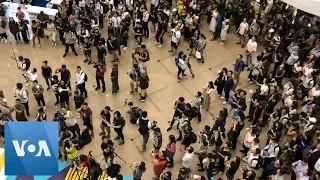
x,y
118,125
19,108
70,38
143,86
100,70
207,91
105,118
52,32
35,27
179,107
81,79
238,68
175,40
86,115
138,169
87,46
161,30
114,78
228,86
196,103
171,150
144,128
23,96
242,32
251,48
24,66
202,43
145,22
187,160
3,33
101,52
38,94
14,29
46,73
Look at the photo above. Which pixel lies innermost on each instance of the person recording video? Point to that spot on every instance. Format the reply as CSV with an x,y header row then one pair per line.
x,y
107,148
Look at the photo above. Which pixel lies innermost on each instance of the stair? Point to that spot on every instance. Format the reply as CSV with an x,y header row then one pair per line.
x,y
75,174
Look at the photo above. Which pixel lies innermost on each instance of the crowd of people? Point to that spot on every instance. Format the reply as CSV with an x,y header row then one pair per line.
x,y
283,108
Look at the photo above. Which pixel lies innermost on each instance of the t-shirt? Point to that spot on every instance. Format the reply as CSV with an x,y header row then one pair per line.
x,y
20,116
105,116
187,160
233,168
86,163
175,35
253,160
87,46
22,95
86,115
101,52
38,89
33,76
65,75
138,30
46,71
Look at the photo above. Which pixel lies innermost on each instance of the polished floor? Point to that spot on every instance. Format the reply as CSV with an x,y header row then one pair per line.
x,y
162,93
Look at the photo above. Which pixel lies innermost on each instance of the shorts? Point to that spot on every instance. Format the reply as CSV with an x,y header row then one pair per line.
x,y
87,53
133,82
174,45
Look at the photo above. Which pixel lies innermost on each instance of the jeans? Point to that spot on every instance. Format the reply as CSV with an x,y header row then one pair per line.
x,y
249,59
226,94
40,100
120,134
145,28
82,89
145,140
159,38
201,52
75,131
98,79
17,36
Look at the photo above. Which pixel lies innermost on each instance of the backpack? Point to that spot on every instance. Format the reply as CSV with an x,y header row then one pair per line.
x,y
280,151
259,163
242,66
193,137
176,60
85,77
143,126
27,62
144,83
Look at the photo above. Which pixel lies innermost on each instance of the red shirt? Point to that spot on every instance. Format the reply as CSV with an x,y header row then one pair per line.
x,y
20,15
86,163
159,167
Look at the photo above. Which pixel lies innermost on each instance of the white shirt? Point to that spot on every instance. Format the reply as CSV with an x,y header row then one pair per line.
x,y
129,3
69,121
265,89
308,83
252,46
80,77
82,4
315,92
273,149
243,28
33,77
251,161
146,17
22,65
187,160
208,91
115,21
155,2
23,93
250,139
175,36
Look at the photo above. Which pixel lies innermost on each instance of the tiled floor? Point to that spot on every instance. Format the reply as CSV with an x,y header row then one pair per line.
x,y
163,91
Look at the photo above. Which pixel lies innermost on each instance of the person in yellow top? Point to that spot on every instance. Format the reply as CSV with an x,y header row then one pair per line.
x,y
180,6
72,153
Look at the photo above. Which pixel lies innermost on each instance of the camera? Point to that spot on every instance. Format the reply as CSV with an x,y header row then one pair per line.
x,y
59,116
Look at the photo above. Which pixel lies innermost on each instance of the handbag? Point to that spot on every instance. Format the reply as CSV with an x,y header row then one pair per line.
x,y
198,55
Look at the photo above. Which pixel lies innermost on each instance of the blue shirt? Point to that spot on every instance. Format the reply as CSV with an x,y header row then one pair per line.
x,y
238,66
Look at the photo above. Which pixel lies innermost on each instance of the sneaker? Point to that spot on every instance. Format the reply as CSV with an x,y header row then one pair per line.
x,y
170,50
160,46
122,142
169,128
55,44
97,88
222,97
103,90
44,107
250,82
225,102
156,42
5,41
102,133
64,55
27,84
125,48
52,44
39,45
142,100
86,60
76,54
117,138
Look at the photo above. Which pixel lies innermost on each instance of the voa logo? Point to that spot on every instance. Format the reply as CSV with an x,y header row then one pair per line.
x,y
31,148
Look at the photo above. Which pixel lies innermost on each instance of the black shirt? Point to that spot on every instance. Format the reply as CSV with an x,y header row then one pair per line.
x,y
105,116
102,52
138,30
181,107
106,146
233,168
46,71
78,101
65,75
124,31
118,122
87,45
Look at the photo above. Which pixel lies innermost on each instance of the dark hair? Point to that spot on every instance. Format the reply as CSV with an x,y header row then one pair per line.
x,y
35,81
230,71
18,100
63,66
211,85
86,104
180,98
241,56
144,114
78,67
34,69
76,92
172,138
142,166
190,150
107,108
199,93
143,46
40,110
207,128
104,137
45,62
117,113
229,144
130,103
83,158
256,140
258,151
19,86
259,58
20,58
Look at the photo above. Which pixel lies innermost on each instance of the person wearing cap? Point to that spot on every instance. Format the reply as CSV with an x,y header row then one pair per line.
x,y
105,117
